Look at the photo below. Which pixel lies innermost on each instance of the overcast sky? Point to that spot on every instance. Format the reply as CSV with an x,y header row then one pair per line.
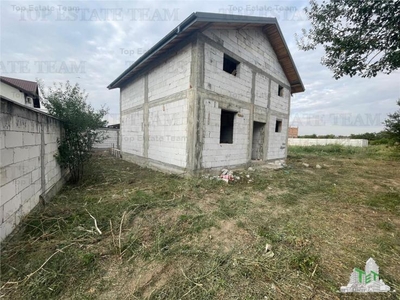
x,y
94,42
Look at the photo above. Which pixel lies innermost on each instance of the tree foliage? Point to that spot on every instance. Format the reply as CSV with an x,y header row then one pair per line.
x,y
359,37
392,124
374,138
80,120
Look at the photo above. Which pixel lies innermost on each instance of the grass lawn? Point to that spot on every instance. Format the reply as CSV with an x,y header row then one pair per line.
x,y
167,237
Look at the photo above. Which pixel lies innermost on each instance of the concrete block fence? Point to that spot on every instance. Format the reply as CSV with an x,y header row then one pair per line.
x,y
28,142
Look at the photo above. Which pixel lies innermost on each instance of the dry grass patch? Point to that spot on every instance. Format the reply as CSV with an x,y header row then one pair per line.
x,y
166,237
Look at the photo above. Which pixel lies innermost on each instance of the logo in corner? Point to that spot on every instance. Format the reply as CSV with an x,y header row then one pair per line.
x,y
365,281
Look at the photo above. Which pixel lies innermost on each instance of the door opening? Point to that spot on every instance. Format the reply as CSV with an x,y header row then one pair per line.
x,y
257,151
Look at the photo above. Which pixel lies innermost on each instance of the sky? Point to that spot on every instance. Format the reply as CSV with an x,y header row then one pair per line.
x,y
92,43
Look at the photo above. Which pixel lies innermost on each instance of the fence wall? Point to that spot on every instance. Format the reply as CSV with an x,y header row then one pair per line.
x,y
28,142
112,140
323,142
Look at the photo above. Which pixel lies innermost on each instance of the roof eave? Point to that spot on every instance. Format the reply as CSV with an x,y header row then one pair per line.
x,y
293,85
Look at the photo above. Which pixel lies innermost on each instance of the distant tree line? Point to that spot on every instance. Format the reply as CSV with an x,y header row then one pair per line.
x,y
328,136
390,136
374,138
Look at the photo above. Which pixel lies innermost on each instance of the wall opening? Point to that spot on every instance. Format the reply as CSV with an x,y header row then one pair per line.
x,y
257,150
278,126
226,130
280,91
230,65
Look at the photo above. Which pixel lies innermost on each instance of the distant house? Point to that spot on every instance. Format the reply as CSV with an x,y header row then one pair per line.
x,y
293,132
18,90
214,92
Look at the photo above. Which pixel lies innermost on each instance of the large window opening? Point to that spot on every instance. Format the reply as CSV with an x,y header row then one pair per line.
x,y
226,131
278,126
230,65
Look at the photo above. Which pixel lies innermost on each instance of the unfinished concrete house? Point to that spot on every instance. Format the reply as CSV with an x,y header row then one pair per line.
x,y
215,92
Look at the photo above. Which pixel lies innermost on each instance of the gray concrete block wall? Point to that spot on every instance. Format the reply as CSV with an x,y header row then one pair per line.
x,y
252,45
171,76
132,95
214,153
132,134
277,141
221,82
28,142
111,140
256,55
154,125
52,132
279,103
168,133
261,90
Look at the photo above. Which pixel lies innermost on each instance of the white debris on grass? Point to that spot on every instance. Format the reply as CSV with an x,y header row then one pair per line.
x,y
268,251
229,176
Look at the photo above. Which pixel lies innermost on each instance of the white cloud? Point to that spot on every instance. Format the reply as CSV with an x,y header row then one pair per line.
x,y
102,38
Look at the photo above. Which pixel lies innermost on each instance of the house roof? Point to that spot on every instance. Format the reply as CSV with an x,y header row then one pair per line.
x,y
198,21
29,87
25,86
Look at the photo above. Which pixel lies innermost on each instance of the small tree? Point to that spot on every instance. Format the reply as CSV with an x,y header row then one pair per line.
x,y
359,37
392,124
80,120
